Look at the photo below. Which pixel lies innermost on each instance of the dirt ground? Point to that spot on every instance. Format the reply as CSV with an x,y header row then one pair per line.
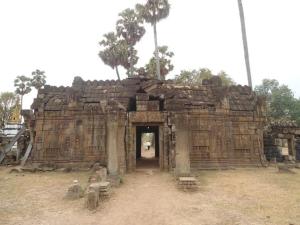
x,y
241,196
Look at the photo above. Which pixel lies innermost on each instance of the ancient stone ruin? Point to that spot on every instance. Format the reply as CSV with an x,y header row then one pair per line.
x,y
205,126
282,141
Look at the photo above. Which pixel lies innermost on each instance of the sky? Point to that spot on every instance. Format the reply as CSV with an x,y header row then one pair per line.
x,y
61,37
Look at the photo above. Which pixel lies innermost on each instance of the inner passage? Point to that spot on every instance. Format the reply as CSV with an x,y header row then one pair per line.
x,y
147,146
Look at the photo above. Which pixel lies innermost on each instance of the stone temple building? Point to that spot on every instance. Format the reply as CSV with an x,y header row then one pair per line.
x,y
205,126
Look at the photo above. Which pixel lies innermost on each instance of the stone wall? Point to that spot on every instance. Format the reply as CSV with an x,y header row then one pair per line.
x,y
282,141
199,126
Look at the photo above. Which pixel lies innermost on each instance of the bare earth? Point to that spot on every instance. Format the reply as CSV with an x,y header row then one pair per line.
x,y
243,196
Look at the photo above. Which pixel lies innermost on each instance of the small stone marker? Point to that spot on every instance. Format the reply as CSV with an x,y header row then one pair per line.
x,y
92,199
75,191
187,183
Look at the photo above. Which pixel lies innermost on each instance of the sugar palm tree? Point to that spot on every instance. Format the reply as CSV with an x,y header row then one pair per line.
x,y
152,12
129,26
115,52
38,79
243,27
23,86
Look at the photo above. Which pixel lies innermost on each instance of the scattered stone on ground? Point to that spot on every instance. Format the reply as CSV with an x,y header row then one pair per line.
x,y
284,168
101,188
75,191
92,199
16,170
100,175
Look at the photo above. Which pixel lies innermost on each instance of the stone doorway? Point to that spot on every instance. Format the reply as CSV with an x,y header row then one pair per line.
x,y
147,146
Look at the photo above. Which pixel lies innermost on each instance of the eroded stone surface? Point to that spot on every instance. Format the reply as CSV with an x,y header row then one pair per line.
x,y
203,126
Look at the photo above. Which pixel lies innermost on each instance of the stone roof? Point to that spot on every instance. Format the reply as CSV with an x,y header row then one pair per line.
x,y
120,94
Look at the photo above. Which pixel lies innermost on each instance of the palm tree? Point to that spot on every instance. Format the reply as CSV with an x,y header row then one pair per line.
x,y
38,79
242,18
23,86
152,12
130,28
115,52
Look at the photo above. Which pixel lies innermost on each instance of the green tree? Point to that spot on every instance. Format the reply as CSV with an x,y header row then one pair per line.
x,y
266,88
38,79
130,28
23,86
164,60
152,12
226,79
295,111
195,77
8,102
115,52
281,103
282,100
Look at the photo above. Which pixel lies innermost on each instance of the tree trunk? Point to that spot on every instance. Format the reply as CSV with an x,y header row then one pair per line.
x,y
245,43
21,108
117,71
156,52
131,61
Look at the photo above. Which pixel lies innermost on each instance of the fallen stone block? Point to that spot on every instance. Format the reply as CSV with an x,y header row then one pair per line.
x,y
101,174
75,191
92,199
30,169
16,170
101,188
284,169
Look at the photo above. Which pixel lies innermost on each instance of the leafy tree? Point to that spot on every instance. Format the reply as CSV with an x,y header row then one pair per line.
x,y
130,28
152,12
164,60
226,79
195,77
295,111
8,102
266,88
38,79
115,52
281,103
23,86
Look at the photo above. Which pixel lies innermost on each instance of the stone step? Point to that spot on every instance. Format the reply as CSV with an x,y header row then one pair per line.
x,y
187,183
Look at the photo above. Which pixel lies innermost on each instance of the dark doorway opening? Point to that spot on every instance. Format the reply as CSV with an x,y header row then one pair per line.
x,y
147,146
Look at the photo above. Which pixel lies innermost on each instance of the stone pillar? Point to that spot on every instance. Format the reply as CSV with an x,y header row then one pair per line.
x,y
111,144
182,157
